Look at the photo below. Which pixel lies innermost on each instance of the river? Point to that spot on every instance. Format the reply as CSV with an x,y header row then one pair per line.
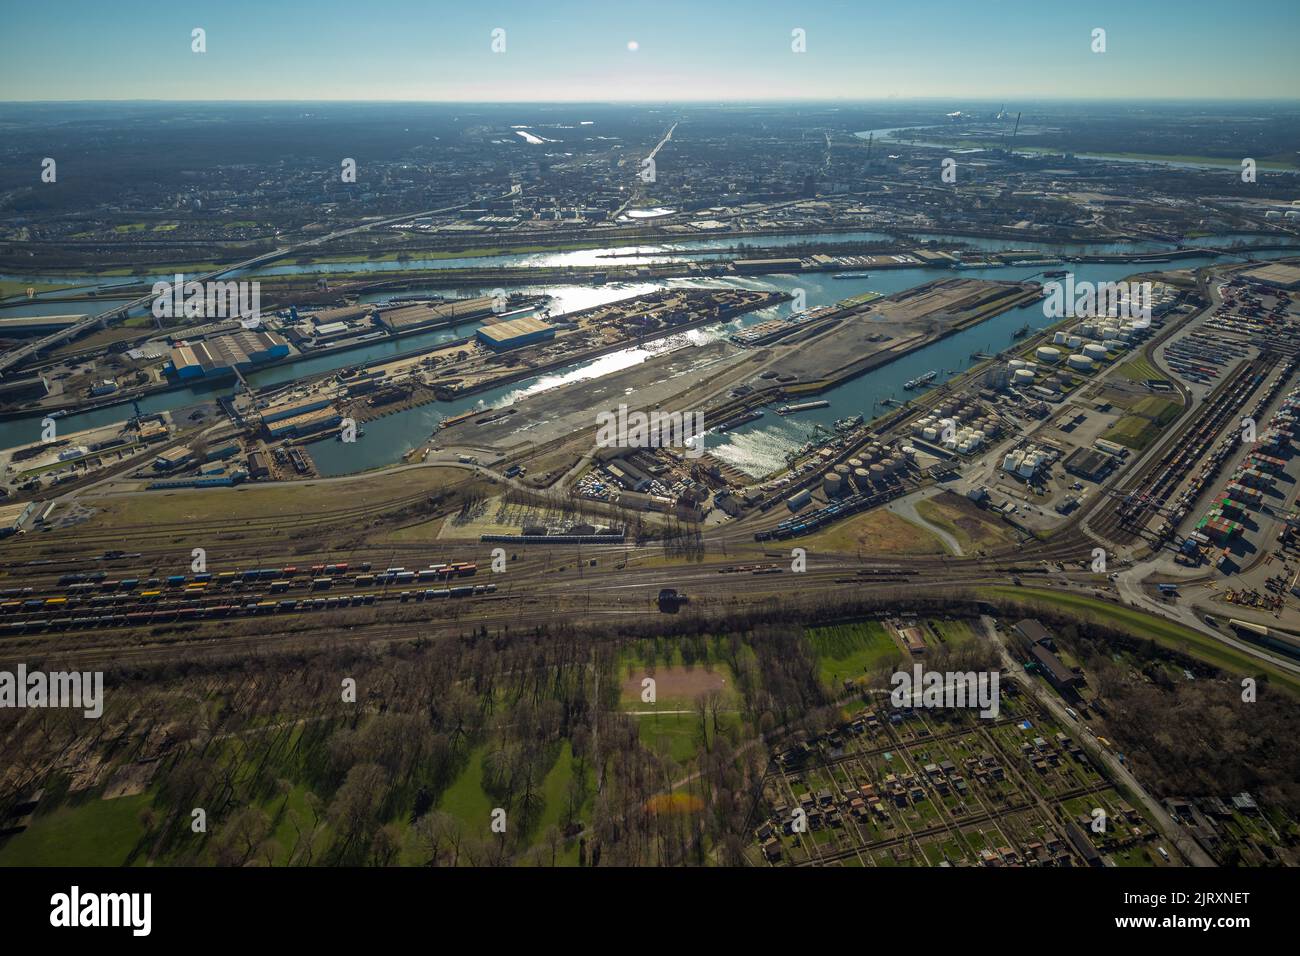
x,y
756,448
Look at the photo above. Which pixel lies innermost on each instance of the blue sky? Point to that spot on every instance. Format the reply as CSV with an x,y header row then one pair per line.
x,y
431,50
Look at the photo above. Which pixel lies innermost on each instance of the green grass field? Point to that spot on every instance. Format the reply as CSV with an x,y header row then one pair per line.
x,y
952,632
1144,422
94,833
846,651
1139,370
679,735
465,799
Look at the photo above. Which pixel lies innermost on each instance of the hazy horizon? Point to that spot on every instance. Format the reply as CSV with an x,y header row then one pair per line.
x,y
414,51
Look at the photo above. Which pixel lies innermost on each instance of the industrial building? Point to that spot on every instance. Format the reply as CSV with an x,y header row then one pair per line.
x,y
13,515
346,313
768,265
18,389
1278,275
1090,464
304,424
172,458
224,354
406,318
292,411
515,333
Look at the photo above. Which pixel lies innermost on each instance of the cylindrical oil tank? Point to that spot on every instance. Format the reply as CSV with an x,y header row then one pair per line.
x,y
1045,353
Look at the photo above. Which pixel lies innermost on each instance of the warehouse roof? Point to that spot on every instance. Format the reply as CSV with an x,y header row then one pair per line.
x,y
225,351
505,331
421,313
1278,274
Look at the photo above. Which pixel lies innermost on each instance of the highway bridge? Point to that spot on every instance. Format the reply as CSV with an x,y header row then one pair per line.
x,y
18,356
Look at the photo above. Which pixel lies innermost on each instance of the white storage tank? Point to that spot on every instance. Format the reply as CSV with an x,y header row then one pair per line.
x,y
1094,351
1080,362
909,451
1023,376
1074,341
1059,338
1045,353
1016,363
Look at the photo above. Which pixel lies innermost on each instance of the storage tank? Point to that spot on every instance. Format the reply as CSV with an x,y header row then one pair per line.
x,y
855,463
909,451
1045,353
1114,345
1080,362
1016,363
1094,351
832,485
1073,341
842,470
877,472
861,477
1059,338
1023,376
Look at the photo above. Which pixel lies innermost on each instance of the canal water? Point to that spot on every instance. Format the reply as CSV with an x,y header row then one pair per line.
x,y
756,448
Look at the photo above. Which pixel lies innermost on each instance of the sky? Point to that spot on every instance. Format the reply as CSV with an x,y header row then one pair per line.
x,y
647,50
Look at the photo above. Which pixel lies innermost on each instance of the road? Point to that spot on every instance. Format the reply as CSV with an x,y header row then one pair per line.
x,y
1189,848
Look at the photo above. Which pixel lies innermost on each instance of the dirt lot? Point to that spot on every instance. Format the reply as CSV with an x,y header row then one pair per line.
x,y
877,532
972,526
676,683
